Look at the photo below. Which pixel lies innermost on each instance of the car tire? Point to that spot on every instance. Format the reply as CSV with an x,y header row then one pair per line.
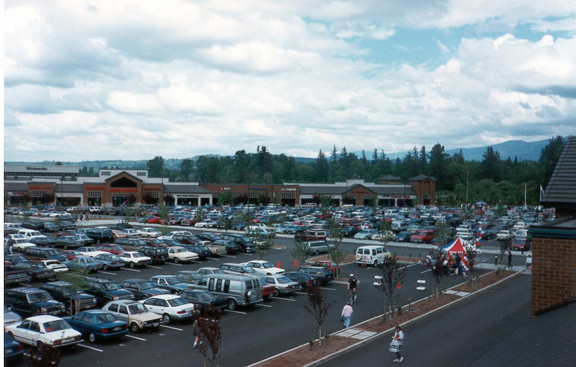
x,y
92,338
276,293
315,253
231,304
39,345
134,328
166,318
132,265
375,263
98,242
105,267
176,260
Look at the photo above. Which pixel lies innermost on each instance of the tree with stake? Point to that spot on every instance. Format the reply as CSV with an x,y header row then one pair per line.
x,y
336,253
437,262
210,334
318,307
391,275
300,252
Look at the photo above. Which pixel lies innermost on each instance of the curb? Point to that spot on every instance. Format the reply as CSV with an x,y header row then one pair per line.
x,y
383,333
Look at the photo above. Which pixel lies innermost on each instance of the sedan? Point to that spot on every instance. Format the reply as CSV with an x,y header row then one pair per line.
x,y
284,285
90,251
134,258
84,263
110,261
181,254
112,248
44,330
12,349
304,279
204,299
170,307
98,325
206,224
143,288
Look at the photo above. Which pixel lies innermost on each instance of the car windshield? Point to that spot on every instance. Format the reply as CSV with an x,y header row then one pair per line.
x,y
174,280
39,297
283,280
177,302
66,291
137,254
53,252
111,286
56,325
267,265
137,308
105,318
205,296
147,285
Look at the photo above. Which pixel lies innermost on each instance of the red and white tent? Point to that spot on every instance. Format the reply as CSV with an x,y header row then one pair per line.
x,y
456,248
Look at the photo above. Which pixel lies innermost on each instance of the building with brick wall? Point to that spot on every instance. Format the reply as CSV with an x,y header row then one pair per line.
x,y
554,244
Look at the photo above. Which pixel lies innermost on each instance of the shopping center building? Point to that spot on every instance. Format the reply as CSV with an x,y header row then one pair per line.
x,y
61,185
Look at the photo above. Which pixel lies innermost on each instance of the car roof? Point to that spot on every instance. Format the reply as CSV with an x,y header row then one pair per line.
x,y
166,296
43,318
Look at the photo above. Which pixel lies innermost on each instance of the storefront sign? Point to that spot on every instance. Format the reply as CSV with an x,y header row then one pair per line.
x,y
41,187
94,187
288,189
123,190
37,168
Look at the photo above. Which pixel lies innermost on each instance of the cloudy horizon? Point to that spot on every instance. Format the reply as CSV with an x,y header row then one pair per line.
x,y
100,80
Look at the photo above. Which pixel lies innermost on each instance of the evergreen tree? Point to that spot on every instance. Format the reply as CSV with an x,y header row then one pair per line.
x,y
490,166
321,168
155,166
549,156
438,163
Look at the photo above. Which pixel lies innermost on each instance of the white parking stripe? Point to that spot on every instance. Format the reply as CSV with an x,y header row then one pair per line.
x,y
174,264
212,259
171,327
261,305
137,271
241,313
155,267
304,293
230,256
425,271
328,289
135,337
85,346
105,272
285,299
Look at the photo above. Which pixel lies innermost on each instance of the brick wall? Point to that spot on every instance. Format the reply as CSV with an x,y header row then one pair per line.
x,y
553,273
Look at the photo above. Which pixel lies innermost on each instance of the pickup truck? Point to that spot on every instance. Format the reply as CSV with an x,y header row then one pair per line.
x,y
15,276
311,235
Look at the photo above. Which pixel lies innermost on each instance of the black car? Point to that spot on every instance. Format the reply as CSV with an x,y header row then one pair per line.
x,y
305,280
231,246
349,231
73,298
33,224
15,258
244,241
68,242
100,235
32,301
403,236
323,275
106,290
159,255
67,225
143,288
209,237
205,299
43,241
202,251
51,227
37,271
131,244
170,282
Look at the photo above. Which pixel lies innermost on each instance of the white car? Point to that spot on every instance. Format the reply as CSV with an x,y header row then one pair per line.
x,y
20,244
206,224
134,258
264,267
503,235
171,235
181,254
90,251
170,307
55,265
129,232
283,284
149,232
44,330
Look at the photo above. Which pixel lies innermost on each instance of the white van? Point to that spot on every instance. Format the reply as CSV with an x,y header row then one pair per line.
x,y
372,255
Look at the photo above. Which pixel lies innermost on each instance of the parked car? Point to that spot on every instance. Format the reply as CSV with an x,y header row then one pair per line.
x,y
110,261
90,251
12,349
98,325
181,254
149,232
237,289
190,276
44,330
503,235
330,265
100,234
244,241
284,285
305,280
372,255
311,235
170,282
171,307
85,264
111,248
264,267
230,246
322,275
134,259
32,301
232,268
37,271
402,236
267,289
204,300
366,234
55,265
73,298
159,255
143,288
11,317
41,253
317,247
106,290
210,270
137,316
521,245
423,236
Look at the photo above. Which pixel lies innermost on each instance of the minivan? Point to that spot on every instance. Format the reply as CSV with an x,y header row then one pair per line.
x,y
237,289
372,255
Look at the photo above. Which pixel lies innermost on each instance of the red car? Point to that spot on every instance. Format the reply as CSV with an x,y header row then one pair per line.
x,y
267,289
423,236
71,254
521,245
154,219
114,249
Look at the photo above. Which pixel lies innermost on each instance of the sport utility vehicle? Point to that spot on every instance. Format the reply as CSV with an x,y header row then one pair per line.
x,y
32,301
316,247
100,235
73,298
135,314
106,290
245,242
323,275
159,255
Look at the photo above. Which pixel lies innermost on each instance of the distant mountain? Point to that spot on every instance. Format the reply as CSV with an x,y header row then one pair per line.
x,y
524,151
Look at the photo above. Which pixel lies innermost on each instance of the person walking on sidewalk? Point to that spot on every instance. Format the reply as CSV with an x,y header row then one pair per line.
x,y
529,263
509,266
347,314
397,341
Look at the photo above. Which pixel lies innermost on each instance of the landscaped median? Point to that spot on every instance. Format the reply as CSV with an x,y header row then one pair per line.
x,y
340,342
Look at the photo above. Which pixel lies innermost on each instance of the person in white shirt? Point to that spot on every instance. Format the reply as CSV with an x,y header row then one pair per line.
x,y
398,340
347,314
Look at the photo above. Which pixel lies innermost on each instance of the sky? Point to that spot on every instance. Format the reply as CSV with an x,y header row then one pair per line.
x,y
135,79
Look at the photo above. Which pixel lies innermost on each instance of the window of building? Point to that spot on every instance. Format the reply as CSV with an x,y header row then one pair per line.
x,y
94,194
105,173
37,194
141,174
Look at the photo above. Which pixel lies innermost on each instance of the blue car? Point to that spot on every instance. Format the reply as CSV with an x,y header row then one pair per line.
x,y
98,325
84,263
12,349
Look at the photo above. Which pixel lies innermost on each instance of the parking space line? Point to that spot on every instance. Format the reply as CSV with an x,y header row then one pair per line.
x,y
328,289
285,299
261,305
303,293
154,267
87,347
212,259
106,272
134,270
425,271
230,256
174,264
171,327
135,337
241,313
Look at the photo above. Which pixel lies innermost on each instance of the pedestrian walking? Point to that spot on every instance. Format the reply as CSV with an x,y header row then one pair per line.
x,y
196,333
346,316
397,342
509,266
529,263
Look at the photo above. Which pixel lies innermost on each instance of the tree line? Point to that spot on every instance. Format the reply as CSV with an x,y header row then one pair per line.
x,y
494,179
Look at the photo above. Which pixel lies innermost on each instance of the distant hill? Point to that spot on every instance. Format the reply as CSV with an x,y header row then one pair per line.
x,y
524,151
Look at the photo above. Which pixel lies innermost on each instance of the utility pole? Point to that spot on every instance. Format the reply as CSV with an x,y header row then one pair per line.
x,y
467,172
